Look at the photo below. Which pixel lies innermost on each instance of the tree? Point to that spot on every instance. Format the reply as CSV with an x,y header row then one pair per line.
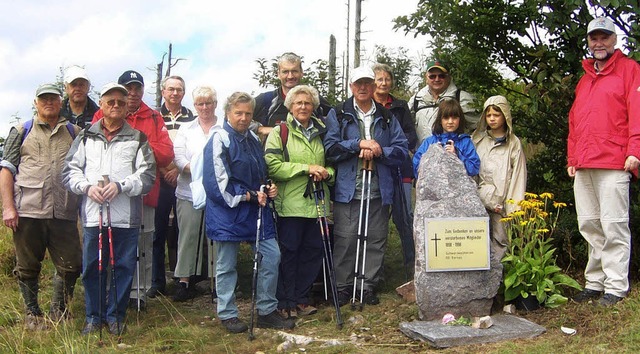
x,y
529,51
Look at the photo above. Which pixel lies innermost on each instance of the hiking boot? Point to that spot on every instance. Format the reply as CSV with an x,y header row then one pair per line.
x,y
305,310
58,315
288,313
344,297
153,292
275,320
184,292
133,304
587,295
370,298
116,328
35,321
234,325
609,300
90,328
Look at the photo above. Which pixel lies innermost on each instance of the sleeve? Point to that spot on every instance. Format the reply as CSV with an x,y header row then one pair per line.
x,y
397,151
421,150
468,155
141,181
161,142
73,176
180,148
633,110
336,148
571,143
278,168
471,115
11,155
408,127
217,174
518,185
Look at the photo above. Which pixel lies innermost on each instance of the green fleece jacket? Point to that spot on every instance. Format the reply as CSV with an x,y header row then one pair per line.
x,y
292,176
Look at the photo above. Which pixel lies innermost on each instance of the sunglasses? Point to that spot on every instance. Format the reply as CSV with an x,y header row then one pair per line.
x,y
434,76
112,103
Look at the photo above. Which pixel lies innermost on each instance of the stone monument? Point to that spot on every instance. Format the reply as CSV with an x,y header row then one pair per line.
x,y
444,190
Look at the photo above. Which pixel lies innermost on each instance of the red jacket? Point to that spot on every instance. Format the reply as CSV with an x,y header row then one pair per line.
x,y
150,122
604,121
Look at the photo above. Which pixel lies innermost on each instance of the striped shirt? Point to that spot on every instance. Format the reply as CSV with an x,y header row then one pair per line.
x,y
173,122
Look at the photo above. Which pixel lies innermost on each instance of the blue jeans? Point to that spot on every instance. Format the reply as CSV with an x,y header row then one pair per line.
x,y
125,242
227,277
403,219
166,202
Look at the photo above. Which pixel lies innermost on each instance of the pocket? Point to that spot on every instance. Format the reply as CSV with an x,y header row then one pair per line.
x,y
28,194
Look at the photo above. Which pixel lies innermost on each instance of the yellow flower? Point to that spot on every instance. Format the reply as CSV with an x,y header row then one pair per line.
x,y
546,195
542,231
511,201
559,205
528,195
523,223
506,219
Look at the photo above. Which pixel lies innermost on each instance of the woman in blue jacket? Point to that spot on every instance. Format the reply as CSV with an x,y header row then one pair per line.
x,y
234,178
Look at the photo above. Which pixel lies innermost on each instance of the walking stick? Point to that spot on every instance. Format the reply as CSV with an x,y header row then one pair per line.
x,y
112,258
403,201
100,184
257,258
363,229
321,208
211,275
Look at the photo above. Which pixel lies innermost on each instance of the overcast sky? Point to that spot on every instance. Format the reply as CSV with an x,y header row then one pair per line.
x,y
220,40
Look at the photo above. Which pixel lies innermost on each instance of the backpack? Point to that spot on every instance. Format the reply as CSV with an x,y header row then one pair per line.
x,y
28,125
416,101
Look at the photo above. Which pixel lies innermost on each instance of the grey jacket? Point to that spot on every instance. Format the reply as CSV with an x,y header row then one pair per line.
x,y
127,159
427,110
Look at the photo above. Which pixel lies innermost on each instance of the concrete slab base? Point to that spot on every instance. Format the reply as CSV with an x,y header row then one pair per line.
x,y
443,336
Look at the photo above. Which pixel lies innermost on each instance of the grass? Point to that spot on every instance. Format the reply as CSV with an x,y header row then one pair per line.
x,y
191,327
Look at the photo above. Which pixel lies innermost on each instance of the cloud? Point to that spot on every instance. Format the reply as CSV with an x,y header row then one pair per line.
x,y
219,42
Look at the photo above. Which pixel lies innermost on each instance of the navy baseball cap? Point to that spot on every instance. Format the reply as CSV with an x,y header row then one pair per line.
x,y
130,76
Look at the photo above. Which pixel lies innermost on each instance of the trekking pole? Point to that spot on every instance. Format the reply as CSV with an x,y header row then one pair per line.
x,y
198,260
363,225
100,184
321,208
211,275
257,258
404,212
112,257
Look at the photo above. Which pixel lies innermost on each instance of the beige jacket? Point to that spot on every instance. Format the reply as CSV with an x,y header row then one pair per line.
x,y
503,166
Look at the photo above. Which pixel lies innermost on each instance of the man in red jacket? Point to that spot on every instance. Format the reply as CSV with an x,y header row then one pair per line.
x,y
151,123
603,150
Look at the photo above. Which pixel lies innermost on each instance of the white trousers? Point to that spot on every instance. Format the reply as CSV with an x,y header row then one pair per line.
x,y
602,205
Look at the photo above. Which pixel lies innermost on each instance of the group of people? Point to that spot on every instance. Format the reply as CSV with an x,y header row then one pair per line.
x,y
266,169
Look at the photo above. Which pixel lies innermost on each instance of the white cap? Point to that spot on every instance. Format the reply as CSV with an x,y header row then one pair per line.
x,y
362,72
113,86
603,24
75,72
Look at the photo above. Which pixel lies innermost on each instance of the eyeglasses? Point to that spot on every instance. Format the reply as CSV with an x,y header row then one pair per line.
x,y
174,89
113,103
202,104
302,103
440,76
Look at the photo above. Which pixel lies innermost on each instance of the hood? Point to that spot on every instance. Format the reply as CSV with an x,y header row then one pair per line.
x,y
502,103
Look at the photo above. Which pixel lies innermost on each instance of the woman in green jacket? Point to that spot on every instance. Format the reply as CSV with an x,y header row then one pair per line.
x,y
295,158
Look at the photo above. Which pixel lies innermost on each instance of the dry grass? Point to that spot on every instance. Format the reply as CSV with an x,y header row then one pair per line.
x,y
191,327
